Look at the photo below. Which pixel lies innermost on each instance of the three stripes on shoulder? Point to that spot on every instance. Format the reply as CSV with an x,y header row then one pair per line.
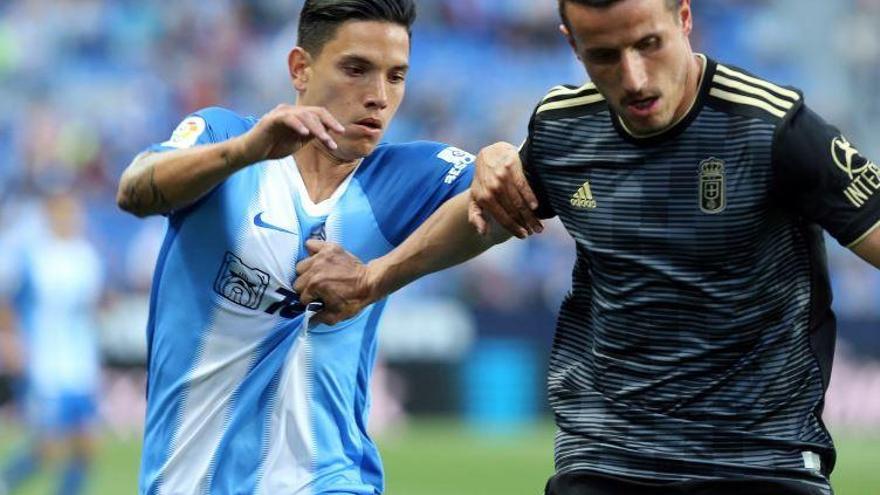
x,y
736,87
565,97
727,84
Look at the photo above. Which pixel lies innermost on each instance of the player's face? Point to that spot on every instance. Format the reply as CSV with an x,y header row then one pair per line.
x,y
65,216
360,77
638,55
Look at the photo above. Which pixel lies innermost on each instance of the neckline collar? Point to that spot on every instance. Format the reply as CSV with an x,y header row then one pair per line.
x,y
322,208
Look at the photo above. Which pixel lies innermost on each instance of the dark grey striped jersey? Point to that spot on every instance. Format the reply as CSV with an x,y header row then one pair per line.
x,y
698,337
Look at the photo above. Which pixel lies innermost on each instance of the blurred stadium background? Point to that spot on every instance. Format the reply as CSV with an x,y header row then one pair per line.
x,y
459,401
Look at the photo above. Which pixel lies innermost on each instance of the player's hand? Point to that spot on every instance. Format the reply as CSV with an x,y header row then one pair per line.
x,y
285,130
335,277
501,189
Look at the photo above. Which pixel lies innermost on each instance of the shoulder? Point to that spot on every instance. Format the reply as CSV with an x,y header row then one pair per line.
x,y
428,150
218,123
739,92
421,158
570,101
222,119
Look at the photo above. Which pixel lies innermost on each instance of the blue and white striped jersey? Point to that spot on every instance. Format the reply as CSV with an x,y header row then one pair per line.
x,y
241,397
56,284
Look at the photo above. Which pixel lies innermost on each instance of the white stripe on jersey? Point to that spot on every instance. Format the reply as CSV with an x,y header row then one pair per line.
x,y
288,464
232,340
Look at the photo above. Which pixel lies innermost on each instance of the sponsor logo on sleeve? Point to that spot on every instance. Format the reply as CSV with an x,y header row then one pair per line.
x,y
863,173
187,133
459,159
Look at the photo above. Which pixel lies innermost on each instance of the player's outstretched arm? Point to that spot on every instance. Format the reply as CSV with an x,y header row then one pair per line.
x,y
346,286
501,189
158,183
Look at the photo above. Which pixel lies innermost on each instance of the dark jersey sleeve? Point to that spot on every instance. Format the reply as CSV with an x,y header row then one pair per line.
x,y
821,176
545,210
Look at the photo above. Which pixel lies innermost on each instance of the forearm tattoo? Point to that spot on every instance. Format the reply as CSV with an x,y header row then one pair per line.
x,y
143,195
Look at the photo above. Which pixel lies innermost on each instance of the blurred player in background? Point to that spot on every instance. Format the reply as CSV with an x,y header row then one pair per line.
x,y
48,304
244,395
694,351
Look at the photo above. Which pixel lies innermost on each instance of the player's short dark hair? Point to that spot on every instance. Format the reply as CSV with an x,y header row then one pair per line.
x,y
320,19
670,4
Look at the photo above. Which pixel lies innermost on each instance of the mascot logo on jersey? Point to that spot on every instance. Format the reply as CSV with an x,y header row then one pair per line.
x,y
712,194
240,283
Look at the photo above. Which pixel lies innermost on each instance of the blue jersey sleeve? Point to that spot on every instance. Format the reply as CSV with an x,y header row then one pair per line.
x,y
406,183
206,126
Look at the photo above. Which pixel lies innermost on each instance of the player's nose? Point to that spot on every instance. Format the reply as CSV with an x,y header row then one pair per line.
x,y
633,74
377,97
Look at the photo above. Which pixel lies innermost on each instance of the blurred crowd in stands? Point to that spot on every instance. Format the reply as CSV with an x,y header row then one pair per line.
x,y
87,84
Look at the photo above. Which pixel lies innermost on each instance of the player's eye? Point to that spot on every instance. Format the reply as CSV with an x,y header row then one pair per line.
x,y
354,70
649,44
397,77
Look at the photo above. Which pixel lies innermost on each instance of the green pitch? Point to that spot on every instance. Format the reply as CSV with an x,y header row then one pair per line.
x,y
439,457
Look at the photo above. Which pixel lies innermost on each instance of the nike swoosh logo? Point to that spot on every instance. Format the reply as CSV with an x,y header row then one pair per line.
x,y
258,221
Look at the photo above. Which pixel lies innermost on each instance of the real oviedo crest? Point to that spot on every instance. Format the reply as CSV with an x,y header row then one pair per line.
x,y
713,197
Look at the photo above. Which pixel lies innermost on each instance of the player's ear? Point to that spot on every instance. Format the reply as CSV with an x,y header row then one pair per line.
x,y
684,17
299,63
569,39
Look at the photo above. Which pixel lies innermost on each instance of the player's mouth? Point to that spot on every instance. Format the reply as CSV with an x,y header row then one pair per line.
x,y
643,107
370,126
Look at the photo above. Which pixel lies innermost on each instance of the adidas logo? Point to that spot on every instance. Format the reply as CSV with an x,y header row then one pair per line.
x,y
583,198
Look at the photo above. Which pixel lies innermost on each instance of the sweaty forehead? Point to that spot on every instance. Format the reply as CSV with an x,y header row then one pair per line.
x,y
621,24
382,43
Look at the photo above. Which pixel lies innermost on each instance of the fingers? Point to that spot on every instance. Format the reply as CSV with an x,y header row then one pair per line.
x,y
475,217
329,120
501,189
316,127
311,121
523,198
528,195
502,217
512,202
313,246
294,123
490,198
303,276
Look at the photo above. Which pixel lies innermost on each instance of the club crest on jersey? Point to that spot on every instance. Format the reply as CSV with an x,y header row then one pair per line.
x,y
713,197
583,199
240,283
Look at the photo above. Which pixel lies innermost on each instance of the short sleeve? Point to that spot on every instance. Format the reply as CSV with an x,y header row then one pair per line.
x,y
207,126
407,183
544,210
821,176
